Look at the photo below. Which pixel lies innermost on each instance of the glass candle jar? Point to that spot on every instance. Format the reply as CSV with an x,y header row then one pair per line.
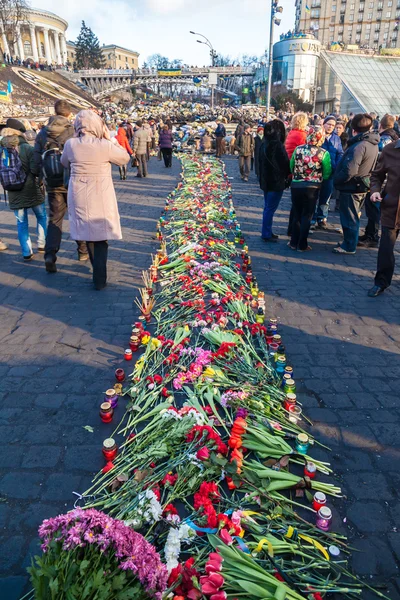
x,y
310,470
280,363
334,552
294,414
302,443
277,338
319,500
134,342
290,387
110,449
285,377
289,401
273,347
289,371
106,412
269,338
128,354
120,375
260,316
324,518
273,321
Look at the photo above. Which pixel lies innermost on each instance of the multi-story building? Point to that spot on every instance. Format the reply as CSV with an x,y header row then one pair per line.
x,y
115,57
367,23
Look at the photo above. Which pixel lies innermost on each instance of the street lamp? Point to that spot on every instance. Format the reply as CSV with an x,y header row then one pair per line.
x,y
213,54
274,21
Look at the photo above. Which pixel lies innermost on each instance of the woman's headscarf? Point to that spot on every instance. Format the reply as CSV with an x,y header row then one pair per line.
x,y
87,122
316,137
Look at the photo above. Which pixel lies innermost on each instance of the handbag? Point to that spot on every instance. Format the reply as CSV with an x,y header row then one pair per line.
x,y
356,185
134,161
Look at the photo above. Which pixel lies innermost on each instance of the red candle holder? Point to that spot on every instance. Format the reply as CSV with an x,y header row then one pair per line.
x,y
134,343
106,412
310,470
120,375
138,325
110,449
128,354
289,401
319,500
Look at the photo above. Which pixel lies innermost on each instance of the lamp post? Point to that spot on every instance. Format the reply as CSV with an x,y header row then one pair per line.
x,y
274,21
213,54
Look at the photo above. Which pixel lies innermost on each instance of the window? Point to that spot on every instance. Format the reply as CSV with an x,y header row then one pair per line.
x,y
109,57
332,29
27,48
397,13
350,28
340,30
44,53
369,16
367,36
393,44
352,6
390,3
315,14
351,17
376,37
332,19
385,35
358,39
371,5
380,5
388,14
368,26
340,38
333,8
119,57
331,38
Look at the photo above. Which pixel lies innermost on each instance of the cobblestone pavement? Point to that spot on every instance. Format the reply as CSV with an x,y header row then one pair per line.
x,y
345,351
61,341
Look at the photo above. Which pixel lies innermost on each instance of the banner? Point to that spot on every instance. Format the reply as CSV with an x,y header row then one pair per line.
x,y
169,72
5,97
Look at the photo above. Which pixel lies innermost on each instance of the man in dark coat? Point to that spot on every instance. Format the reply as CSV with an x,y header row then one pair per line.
x,y
370,239
387,169
352,179
55,134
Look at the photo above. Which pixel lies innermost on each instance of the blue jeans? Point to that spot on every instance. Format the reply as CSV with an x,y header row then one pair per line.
x,y
271,201
325,194
350,207
23,227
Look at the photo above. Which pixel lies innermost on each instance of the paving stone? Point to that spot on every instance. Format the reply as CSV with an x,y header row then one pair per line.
x,y
11,552
59,487
41,457
22,484
11,587
369,517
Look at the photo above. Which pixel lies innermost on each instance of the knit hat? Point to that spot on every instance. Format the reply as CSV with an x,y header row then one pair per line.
x,y
15,124
330,118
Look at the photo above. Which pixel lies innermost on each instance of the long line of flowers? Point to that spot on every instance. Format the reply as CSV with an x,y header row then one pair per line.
x,y
215,490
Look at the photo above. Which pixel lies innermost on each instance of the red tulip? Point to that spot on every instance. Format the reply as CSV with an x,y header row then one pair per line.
x,y
219,596
203,453
226,537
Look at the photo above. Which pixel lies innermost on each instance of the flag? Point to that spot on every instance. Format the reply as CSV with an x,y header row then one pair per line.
x,y
9,87
307,9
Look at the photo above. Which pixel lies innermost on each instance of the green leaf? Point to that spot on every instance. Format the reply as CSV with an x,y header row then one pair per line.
x,y
83,565
252,588
89,428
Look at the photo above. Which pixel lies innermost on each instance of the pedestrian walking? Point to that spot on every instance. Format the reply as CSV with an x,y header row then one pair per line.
x,y
352,179
92,204
141,139
30,195
122,140
220,135
310,165
370,238
258,140
274,170
165,144
333,145
385,186
296,137
51,140
245,146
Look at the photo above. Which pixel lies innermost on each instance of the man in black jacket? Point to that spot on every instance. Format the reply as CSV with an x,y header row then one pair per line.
x,y
57,132
370,239
352,179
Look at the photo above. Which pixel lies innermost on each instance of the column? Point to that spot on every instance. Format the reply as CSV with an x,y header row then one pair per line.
x,y
57,46
39,45
21,54
34,44
47,46
6,48
64,53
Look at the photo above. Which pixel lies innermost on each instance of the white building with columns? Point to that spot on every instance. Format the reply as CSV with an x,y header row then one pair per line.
x,y
41,39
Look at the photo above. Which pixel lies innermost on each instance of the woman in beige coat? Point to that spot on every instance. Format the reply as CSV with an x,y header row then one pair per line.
x,y
92,205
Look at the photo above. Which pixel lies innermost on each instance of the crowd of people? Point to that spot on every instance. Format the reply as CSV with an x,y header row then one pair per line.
x,y
321,158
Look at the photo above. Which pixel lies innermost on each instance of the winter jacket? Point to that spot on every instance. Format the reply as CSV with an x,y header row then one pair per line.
x,y
239,130
257,146
31,194
274,166
357,162
92,205
388,168
245,144
387,137
58,131
140,140
296,137
122,140
335,149
310,166
344,138
165,139
220,132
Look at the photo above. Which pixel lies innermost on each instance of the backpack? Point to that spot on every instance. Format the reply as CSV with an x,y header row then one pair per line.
x,y
12,174
51,163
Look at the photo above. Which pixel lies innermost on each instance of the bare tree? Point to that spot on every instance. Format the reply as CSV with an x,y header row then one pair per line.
x,y
13,14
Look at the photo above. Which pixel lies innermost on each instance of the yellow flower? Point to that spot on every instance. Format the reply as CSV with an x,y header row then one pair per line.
x,y
155,343
186,328
145,339
209,372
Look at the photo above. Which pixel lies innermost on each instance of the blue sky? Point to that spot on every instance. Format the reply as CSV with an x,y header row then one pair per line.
x,y
234,27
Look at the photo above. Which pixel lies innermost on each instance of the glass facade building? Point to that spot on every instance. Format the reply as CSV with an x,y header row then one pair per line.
x,y
295,65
